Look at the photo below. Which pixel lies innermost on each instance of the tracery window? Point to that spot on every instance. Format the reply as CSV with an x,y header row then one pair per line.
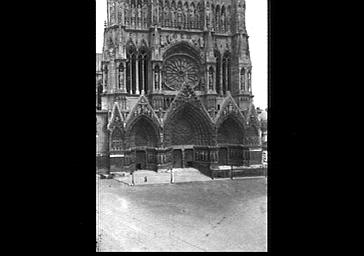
x,y
99,92
116,140
218,70
143,69
112,13
180,69
249,81
226,72
105,74
130,69
156,77
242,79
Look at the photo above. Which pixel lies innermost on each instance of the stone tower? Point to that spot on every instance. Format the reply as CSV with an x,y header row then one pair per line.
x,y
176,86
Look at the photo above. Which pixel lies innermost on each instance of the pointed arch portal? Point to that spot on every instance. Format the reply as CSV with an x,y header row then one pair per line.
x,y
188,126
185,130
229,132
143,134
143,138
230,137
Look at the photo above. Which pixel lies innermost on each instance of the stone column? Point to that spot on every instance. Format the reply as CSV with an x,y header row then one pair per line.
x,y
117,82
154,79
227,77
214,158
183,158
214,81
116,13
137,76
104,77
131,75
157,10
210,82
122,6
245,88
122,78
221,76
112,76
143,82
250,81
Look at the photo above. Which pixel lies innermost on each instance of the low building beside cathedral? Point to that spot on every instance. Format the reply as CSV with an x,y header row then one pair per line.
x,y
175,87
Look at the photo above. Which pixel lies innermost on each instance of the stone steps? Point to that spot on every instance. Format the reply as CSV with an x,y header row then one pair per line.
x,y
189,175
180,175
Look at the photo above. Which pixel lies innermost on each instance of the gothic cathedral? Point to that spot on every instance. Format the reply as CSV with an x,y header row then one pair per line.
x,y
174,87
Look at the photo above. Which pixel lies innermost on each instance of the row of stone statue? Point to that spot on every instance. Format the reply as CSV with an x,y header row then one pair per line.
x,y
136,15
251,140
205,156
186,16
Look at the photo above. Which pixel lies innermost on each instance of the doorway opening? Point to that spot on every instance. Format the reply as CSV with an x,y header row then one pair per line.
x,y
140,162
177,158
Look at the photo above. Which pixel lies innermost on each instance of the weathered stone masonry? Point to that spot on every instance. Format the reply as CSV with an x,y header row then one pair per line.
x,y
176,87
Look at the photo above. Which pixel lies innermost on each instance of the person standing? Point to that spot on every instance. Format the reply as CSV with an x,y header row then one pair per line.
x,y
172,176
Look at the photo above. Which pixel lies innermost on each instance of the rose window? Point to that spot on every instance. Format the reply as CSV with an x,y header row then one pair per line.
x,y
180,69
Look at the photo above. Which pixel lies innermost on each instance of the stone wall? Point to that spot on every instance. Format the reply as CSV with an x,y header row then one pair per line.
x,y
102,140
102,164
131,40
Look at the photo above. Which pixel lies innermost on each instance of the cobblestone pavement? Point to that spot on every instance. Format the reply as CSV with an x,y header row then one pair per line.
x,y
226,215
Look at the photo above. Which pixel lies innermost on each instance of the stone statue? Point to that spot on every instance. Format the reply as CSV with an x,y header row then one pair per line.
x,y
121,75
127,14
139,21
211,74
132,15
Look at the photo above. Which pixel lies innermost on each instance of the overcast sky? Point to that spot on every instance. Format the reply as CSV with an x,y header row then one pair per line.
x,y
256,23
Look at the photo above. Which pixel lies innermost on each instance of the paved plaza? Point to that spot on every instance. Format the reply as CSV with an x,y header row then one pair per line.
x,y
219,215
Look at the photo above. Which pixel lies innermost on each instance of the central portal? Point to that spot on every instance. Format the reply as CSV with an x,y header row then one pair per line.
x,y
186,128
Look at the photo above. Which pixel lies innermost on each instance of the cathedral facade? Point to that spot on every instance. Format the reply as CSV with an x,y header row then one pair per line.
x,y
174,87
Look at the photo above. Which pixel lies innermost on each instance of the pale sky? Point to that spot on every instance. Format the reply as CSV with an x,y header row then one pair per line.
x,y
257,26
